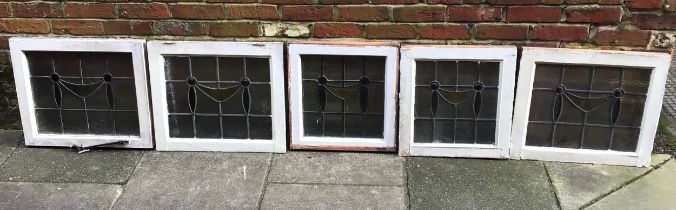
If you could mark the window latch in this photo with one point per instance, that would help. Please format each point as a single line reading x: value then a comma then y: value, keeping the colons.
x: 83, y: 149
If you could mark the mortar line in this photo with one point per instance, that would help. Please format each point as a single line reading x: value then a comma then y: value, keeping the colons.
x: 124, y: 185
x: 551, y: 184
x: 601, y: 197
x: 266, y: 183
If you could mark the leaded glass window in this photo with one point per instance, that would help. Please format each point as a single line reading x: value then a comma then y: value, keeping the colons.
x: 587, y: 106
x: 456, y: 101
x: 84, y: 92
x: 343, y: 96
x: 218, y: 97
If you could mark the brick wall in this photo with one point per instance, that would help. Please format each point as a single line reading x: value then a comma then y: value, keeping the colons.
x: 616, y: 24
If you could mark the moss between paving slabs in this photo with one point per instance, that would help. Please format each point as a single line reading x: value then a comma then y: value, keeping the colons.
x: 665, y: 139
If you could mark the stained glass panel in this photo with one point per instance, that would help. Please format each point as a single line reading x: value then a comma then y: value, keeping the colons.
x: 218, y: 97
x: 343, y: 96
x: 456, y: 101
x: 84, y: 92
x: 587, y: 107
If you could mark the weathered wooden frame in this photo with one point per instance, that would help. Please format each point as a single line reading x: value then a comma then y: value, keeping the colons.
x: 25, y: 93
x: 298, y: 140
x: 658, y: 62
x: 272, y: 50
x: 506, y: 55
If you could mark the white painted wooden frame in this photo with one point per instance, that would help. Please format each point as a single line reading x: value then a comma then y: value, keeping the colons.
x: 25, y: 93
x: 506, y: 55
x: 658, y: 62
x: 272, y: 50
x: 298, y: 140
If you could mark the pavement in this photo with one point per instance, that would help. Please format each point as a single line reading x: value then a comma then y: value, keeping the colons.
x: 58, y: 178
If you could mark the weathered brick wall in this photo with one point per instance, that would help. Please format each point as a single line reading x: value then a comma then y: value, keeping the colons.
x: 622, y: 24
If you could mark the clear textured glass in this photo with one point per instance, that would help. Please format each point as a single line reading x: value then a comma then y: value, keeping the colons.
x: 84, y: 92
x: 343, y: 96
x: 219, y: 97
x: 576, y: 106
x: 457, y: 100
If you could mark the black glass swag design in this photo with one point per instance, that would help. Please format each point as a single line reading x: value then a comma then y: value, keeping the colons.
x: 218, y: 97
x: 587, y: 107
x: 76, y: 92
x: 456, y: 101
x: 343, y: 95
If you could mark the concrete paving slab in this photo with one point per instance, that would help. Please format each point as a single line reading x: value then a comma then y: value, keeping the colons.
x: 63, y: 165
x: 9, y: 139
x: 657, y: 159
x: 188, y: 180
x: 323, y: 196
x: 337, y: 168
x: 578, y: 184
x: 653, y: 191
x: 443, y: 183
x: 25, y: 195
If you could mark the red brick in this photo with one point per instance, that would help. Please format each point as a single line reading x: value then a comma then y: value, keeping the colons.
x: 391, y: 31
x: 395, y: 1
x: 636, y: 38
x: 232, y: 1
x: 4, y: 10
x: 538, y: 14
x: 439, y: 31
x: 645, y: 4
x: 258, y: 12
x: 198, y: 11
x: 512, y: 2
x: 234, y: 29
x: 4, y: 42
x: 144, y: 11
x: 127, y: 27
x: 338, y: 30
x: 363, y: 13
x: 40, y: 9
x: 89, y: 10
x: 77, y: 27
x: 474, y: 13
x: 444, y: 1
x: 179, y: 28
x: 286, y: 1
x: 607, y: 15
x: 560, y: 33
x: 654, y: 22
x: 419, y: 13
x: 28, y: 26
x: 307, y: 13
x: 343, y: 1
x: 501, y: 32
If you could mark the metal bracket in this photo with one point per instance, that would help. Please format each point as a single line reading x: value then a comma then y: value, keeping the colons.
x: 82, y: 149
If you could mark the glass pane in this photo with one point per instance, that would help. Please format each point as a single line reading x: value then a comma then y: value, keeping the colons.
x: 422, y: 131
x: 452, y: 95
x: 181, y: 126
x: 228, y: 97
x: 84, y: 92
x: 342, y: 93
x: 596, y: 107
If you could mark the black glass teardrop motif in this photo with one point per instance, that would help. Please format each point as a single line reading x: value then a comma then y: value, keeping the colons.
x: 615, y: 113
x: 246, y: 101
x: 364, y: 98
x: 321, y: 96
x: 57, y: 94
x: 556, y: 112
x: 192, y: 100
x: 477, y: 104
x: 109, y: 95
x: 435, y: 102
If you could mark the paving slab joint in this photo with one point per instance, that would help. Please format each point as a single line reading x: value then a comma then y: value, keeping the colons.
x: 405, y: 174
x: 597, y: 199
x: 551, y: 184
x: 265, y: 182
